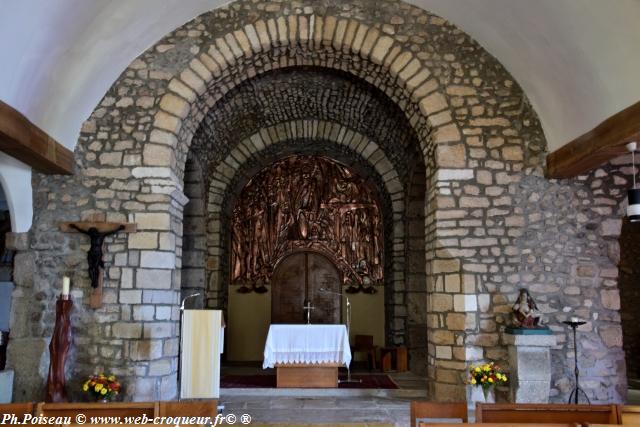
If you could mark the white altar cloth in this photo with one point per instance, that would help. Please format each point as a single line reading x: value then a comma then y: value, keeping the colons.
x: 309, y: 344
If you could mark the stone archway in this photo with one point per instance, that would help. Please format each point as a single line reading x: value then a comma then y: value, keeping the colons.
x: 398, y: 72
x: 476, y: 131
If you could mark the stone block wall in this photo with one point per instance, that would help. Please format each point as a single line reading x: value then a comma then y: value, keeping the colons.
x: 492, y: 223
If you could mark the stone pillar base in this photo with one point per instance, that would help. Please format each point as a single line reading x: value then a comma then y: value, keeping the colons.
x: 530, y: 365
x: 6, y: 386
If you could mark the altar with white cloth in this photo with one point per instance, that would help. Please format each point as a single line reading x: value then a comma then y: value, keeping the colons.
x: 307, y: 356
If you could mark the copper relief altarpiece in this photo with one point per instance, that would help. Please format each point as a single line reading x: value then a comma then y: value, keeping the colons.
x: 307, y: 203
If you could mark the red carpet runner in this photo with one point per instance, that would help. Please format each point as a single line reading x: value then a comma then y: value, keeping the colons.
x: 269, y: 381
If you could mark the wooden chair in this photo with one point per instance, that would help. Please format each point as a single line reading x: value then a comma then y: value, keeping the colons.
x: 546, y: 413
x: 111, y: 409
x: 422, y: 409
x: 630, y: 415
x: 17, y: 409
x: 364, y: 343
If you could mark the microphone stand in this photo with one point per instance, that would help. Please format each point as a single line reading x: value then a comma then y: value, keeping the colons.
x: 180, y: 343
x: 349, y: 379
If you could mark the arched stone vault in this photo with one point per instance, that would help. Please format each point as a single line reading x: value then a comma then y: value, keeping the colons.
x: 346, y: 111
x: 413, y: 79
x: 481, y: 143
x: 311, y: 137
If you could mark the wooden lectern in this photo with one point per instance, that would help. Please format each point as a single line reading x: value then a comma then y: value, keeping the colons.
x: 202, y: 343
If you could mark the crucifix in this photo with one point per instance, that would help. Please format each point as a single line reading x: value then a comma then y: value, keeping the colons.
x: 308, y: 307
x: 97, y: 232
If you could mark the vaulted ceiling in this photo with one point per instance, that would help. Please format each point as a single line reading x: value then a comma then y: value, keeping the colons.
x: 577, y: 60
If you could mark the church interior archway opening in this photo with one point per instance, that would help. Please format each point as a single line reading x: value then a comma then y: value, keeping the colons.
x: 314, y: 111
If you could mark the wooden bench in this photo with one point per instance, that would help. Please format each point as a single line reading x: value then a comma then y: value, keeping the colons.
x: 546, y: 413
x: 192, y: 408
x: 17, y: 409
x: 630, y: 415
x: 504, y: 425
x: 421, y: 409
x: 110, y: 409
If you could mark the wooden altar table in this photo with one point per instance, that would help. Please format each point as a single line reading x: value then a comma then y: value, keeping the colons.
x: 307, y: 356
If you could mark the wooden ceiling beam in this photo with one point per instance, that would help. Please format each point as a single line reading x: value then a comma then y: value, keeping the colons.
x: 595, y: 148
x: 26, y: 142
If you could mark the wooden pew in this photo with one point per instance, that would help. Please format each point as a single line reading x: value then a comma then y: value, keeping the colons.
x: 630, y: 415
x: 188, y: 409
x: 546, y: 413
x: 421, y: 409
x: 504, y: 425
x: 17, y: 409
x: 111, y: 409
x: 192, y: 408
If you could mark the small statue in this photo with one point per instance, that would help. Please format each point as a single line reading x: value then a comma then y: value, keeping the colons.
x: 94, y: 256
x: 525, y: 312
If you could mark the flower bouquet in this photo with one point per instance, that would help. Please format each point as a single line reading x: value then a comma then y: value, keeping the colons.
x: 102, y: 387
x: 486, y: 376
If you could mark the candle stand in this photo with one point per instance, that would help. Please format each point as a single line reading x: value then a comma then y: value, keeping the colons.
x: 58, y: 349
x: 573, y: 324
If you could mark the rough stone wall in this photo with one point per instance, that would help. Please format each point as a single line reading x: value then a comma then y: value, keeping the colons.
x: 569, y: 256
x: 194, y: 241
x: 488, y: 211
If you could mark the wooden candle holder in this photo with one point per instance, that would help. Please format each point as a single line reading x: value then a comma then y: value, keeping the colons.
x: 58, y: 349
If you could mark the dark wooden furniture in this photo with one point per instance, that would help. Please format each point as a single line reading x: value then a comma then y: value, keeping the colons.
x: 393, y: 359
x: 17, y: 409
x: 422, y: 409
x: 364, y: 344
x: 546, y: 413
x: 58, y: 348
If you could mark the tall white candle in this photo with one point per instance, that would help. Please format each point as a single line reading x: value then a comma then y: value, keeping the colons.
x: 65, y: 286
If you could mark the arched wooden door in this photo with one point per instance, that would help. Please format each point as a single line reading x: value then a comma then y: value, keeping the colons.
x: 299, y: 278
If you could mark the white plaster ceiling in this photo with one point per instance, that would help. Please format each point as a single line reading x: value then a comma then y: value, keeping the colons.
x: 577, y: 60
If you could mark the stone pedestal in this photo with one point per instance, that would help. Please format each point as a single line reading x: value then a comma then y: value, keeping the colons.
x: 6, y: 386
x: 530, y: 365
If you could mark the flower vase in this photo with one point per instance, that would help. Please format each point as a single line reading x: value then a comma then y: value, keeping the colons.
x: 478, y: 394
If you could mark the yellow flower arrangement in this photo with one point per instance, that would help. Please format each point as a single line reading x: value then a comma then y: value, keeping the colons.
x: 102, y: 386
x: 486, y: 376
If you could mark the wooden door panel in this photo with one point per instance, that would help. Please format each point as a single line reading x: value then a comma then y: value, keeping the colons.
x: 288, y: 290
x: 323, y: 274
x: 297, y: 279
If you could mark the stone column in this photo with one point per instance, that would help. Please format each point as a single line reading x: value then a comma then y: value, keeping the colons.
x: 530, y: 365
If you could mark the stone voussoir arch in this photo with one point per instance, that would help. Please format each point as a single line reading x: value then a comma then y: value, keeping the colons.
x: 180, y: 106
x: 222, y: 179
x: 360, y: 144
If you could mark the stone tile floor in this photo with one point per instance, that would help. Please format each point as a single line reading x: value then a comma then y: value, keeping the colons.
x: 324, y: 405
x: 319, y: 409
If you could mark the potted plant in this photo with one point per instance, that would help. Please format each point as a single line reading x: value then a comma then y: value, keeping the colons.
x: 485, y: 377
x: 102, y: 387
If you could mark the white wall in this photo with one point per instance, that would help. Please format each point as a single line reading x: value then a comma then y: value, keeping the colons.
x: 577, y: 60
x: 15, y: 178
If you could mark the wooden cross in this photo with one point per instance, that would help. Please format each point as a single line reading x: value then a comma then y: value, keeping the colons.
x: 97, y: 230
